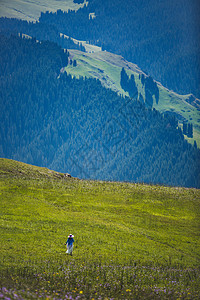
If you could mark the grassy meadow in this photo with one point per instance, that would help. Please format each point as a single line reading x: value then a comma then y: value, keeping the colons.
x: 132, y: 241
x: 31, y: 10
x: 107, y: 68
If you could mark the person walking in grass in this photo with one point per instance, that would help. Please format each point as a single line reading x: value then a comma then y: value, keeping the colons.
x: 69, y: 244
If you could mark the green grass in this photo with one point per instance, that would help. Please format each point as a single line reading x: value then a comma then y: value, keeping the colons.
x: 131, y: 240
x: 90, y: 66
x: 31, y: 10
x: 107, y: 68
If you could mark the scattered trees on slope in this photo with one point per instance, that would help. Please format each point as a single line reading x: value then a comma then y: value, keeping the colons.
x: 162, y: 37
x: 51, y: 119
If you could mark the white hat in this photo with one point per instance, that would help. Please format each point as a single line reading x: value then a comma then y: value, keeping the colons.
x: 70, y: 235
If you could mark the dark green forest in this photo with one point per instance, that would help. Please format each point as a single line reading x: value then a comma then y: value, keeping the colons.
x: 51, y: 119
x: 160, y: 36
x: 42, y: 32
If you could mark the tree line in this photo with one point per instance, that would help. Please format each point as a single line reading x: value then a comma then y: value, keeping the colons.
x: 42, y: 32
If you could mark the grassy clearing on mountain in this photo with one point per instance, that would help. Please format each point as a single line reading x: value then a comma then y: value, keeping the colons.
x: 107, y: 73
x: 30, y: 10
x: 107, y: 68
x: 131, y: 240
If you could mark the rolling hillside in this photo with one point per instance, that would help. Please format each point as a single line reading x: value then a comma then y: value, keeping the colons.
x: 31, y: 10
x: 131, y: 240
x: 162, y: 37
x: 107, y: 66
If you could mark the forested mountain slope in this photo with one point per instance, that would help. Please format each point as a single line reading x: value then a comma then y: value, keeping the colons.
x: 162, y: 37
x: 42, y: 32
x: 107, y: 67
x: 50, y: 119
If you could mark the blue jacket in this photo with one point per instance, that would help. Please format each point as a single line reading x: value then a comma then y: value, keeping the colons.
x: 70, y: 241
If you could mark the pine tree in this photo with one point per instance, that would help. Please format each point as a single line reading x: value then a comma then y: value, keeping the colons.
x: 124, y: 81
x: 141, y: 98
x: 156, y: 93
x: 74, y: 63
x: 185, y: 129
x: 190, y: 131
x: 133, y: 91
x: 143, y: 79
x: 148, y: 98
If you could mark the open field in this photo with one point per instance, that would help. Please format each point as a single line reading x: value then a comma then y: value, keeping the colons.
x: 132, y: 241
x: 31, y: 10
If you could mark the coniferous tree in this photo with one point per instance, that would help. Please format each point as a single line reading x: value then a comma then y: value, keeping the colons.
x: 148, y: 97
x: 156, y: 93
x: 133, y: 91
x: 190, y: 130
x: 142, y: 79
x: 185, y: 126
x: 124, y: 81
x: 141, y: 98
x: 74, y: 63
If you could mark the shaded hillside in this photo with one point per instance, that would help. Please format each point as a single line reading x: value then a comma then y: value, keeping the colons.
x: 42, y: 32
x: 162, y: 37
x: 50, y: 119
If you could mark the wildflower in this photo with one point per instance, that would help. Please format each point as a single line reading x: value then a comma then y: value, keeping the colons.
x: 81, y: 292
x: 128, y: 290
